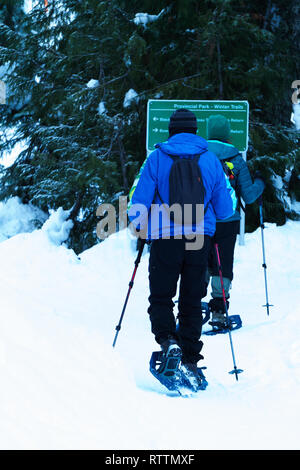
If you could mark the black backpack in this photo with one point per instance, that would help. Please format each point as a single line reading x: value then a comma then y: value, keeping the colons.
x: 186, y: 187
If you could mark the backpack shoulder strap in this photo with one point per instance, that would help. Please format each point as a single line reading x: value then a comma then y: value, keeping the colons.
x: 174, y: 157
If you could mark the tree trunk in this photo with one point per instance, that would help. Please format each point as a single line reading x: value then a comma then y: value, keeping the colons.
x: 296, y: 32
x: 220, y: 69
x: 123, y: 163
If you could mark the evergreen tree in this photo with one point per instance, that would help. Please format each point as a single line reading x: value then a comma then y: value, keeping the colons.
x: 72, y: 64
x: 11, y: 13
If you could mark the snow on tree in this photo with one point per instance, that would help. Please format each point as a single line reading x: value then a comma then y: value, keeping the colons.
x: 80, y: 75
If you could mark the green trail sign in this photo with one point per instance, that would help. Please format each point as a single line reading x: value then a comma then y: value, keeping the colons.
x: 159, y: 112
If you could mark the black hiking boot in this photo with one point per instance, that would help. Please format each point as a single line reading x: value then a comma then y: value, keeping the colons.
x: 218, y: 319
x: 170, y: 347
x: 193, y: 376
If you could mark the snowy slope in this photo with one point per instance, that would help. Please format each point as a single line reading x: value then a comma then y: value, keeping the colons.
x: 64, y: 387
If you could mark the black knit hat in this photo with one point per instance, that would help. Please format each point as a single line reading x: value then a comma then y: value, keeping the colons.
x: 182, y: 120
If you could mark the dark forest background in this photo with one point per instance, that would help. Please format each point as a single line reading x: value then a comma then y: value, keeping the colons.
x: 83, y: 147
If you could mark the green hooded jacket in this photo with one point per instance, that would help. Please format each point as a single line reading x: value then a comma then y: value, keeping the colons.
x: 242, y: 182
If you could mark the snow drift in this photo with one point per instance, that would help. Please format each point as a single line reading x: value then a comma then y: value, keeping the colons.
x: 65, y: 387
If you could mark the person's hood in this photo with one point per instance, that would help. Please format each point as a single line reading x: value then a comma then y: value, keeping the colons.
x: 183, y: 145
x: 222, y: 150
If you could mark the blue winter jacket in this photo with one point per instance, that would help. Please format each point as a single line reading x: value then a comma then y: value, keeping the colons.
x: 242, y: 182
x: 154, y: 177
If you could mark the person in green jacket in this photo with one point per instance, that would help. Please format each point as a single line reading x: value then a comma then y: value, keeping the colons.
x: 236, y: 169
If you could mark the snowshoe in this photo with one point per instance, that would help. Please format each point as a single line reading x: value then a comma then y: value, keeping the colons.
x: 234, y: 322
x: 165, y: 368
x: 204, y: 382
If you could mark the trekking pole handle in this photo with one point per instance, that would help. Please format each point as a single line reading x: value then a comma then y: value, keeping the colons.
x: 138, y: 258
x: 261, y: 219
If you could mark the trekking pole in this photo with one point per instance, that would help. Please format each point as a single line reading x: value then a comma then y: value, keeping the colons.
x: 137, y: 261
x: 235, y: 371
x: 262, y: 226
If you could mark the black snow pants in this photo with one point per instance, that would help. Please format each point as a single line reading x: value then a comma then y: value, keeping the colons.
x: 169, y: 261
x: 225, y: 237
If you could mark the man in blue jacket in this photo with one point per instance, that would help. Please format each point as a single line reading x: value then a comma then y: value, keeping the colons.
x: 218, y: 132
x: 171, y: 257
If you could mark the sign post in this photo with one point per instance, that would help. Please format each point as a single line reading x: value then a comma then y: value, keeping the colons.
x: 237, y: 112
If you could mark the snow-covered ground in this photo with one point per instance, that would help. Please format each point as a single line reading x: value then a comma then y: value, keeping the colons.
x: 63, y: 386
